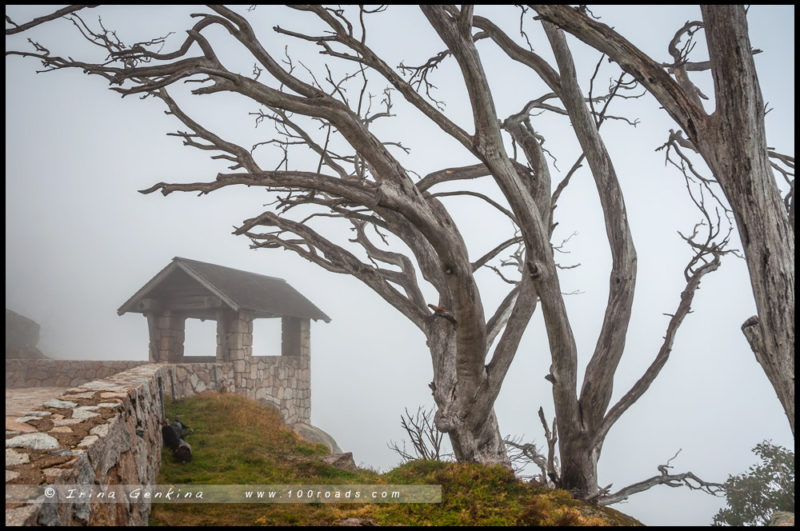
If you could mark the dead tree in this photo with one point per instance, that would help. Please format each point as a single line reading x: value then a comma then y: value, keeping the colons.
x: 584, y: 419
x: 357, y: 180
x: 525, y: 453
x: 732, y: 142
x: 426, y: 439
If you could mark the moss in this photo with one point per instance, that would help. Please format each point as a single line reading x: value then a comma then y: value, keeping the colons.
x: 237, y: 441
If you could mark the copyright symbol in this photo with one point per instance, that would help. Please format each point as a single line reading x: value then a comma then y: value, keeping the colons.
x: 49, y: 492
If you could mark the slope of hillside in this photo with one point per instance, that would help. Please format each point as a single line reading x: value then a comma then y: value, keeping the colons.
x: 238, y: 442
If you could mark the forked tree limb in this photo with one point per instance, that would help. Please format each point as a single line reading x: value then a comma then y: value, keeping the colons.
x: 685, y: 479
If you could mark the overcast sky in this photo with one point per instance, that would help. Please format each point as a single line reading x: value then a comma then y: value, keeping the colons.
x: 80, y: 241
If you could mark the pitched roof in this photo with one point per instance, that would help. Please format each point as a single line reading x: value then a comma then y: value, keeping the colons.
x: 238, y: 290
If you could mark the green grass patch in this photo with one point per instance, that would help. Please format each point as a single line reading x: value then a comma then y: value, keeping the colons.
x: 237, y: 441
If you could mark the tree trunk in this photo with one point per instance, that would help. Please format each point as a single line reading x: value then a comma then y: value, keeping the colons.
x: 483, y: 444
x: 735, y: 148
x: 472, y: 443
x: 579, y: 466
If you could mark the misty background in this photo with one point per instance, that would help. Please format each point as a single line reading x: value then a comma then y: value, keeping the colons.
x: 80, y: 239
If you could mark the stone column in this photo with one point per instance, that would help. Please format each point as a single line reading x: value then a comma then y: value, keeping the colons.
x: 155, y: 339
x: 295, y: 337
x: 222, y: 336
x: 239, y: 347
x: 167, y: 333
x: 296, y: 350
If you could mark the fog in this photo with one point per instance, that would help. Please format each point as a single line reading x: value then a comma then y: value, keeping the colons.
x: 80, y: 240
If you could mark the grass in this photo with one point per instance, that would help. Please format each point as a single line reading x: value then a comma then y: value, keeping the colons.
x: 237, y: 441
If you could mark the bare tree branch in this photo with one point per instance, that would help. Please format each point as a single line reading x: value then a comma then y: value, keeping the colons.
x: 527, y: 453
x: 489, y: 200
x: 40, y: 20
x: 685, y: 479
x: 426, y: 439
x: 551, y: 436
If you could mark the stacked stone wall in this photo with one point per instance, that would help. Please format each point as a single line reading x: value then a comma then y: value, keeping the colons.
x: 282, y: 381
x: 188, y: 379
x: 107, y: 431
x: 100, y: 433
x: 61, y: 373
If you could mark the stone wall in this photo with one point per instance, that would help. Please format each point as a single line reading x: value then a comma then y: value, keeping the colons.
x: 188, y: 379
x: 104, y: 432
x: 107, y: 431
x: 61, y: 373
x: 282, y: 381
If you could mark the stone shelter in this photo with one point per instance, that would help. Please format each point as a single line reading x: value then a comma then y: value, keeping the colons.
x: 187, y: 289
x: 105, y: 428
x: 191, y: 289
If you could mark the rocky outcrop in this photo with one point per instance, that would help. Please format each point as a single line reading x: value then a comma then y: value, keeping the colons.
x: 343, y: 461
x: 316, y: 435
x: 338, y: 459
x: 22, y: 336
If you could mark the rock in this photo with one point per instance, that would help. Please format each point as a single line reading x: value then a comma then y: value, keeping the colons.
x: 21, y: 516
x: 343, y: 461
x: 782, y: 518
x: 316, y: 435
x: 88, y: 394
x: 53, y: 473
x: 357, y: 522
x: 101, y: 430
x: 66, y: 422
x: 84, y: 412
x: 16, y: 458
x: 59, y: 404
x: 22, y: 335
x: 89, y: 440
x: 34, y: 441
x: 15, y: 425
x: 26, y: 419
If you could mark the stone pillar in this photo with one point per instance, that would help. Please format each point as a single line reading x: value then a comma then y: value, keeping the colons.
x: 238, y: 346
x: 222, y: 335
x: 295, y: 337
x: 296, y: 350
x: 167, y: 333
x: 152, y: 330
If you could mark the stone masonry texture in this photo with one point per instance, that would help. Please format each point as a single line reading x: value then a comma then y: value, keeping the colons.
x: 106, y: 428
